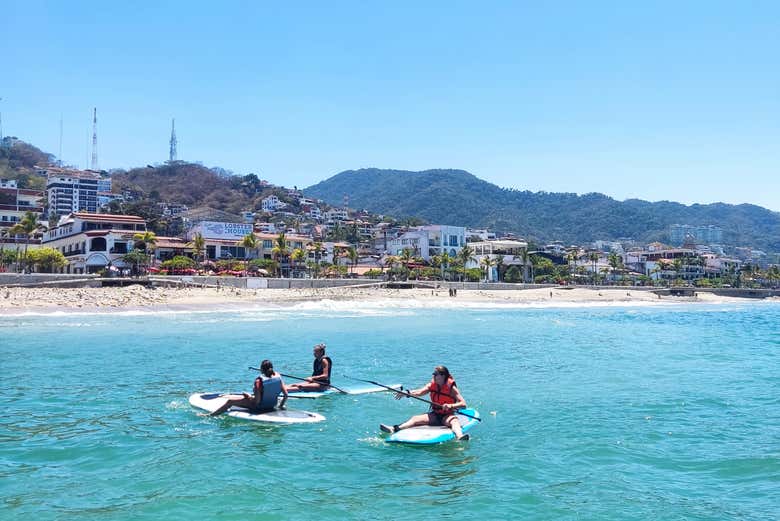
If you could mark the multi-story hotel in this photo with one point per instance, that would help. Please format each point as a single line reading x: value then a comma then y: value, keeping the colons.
x: 72, y: 191
x: 91, y: 242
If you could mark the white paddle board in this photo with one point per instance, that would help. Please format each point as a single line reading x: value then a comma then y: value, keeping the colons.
x: 354, y: 390
x: 429, y: 434
x: 210, y: 402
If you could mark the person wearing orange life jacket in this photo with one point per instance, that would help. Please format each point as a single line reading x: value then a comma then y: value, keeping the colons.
x: 446, y: 399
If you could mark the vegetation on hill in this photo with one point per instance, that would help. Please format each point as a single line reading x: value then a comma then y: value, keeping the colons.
x: 459, y: 198
x: 17, y: 161
x: 439, y: 196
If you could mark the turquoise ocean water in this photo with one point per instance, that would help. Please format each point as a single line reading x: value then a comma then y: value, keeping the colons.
x: 667, y: 412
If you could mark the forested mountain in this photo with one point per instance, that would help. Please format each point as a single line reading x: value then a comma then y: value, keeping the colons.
x: 459, y: 198
x: 438, y: 196
x: 17, y: 161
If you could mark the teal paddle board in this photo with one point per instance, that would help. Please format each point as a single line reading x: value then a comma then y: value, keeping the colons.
x: 430, y: 435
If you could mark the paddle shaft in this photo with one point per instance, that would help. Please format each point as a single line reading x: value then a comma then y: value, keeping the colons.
x: 305, y: 380
x: 407, y: 393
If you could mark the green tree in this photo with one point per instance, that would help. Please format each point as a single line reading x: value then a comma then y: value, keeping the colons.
x: 198, y: 245
x: 178, y: 263
x: 466, y: 255
x: 594, y: 258
x: 136, y: 258
x: 147, y: 240
x: 353, y: 257
x: 298, y: 256
x: 27, y: 226
x: 250, y: 242
x: 280, y: 251
x: 47, y: 260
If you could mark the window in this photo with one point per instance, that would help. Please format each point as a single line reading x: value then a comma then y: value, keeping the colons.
x: 268, y: 243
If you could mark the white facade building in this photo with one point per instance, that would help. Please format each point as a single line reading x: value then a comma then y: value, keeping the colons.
x: 336, y: 215
x: 71, y: 191
x: 427, y: 241
x: 90, y: 242
x: 272, y: 203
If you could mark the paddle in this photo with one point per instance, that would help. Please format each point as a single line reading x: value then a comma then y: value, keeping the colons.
x: 304, y: 380
x: 410, y: 396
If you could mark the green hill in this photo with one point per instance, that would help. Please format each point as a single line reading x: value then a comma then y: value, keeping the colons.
x: 459, y: 198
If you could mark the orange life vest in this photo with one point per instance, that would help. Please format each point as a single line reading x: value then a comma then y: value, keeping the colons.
x: 441, y: 394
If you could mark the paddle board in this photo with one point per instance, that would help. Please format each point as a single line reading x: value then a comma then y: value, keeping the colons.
x: 429, y: 435
x: 210, y: 402
x: 349, y: 390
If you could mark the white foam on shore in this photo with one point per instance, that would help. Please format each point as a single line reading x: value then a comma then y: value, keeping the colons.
x: 368, y: 307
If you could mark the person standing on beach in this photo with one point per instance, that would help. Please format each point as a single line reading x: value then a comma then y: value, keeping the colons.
x: 446, y: 400
x: 267, y: 388
x: 320, y: 374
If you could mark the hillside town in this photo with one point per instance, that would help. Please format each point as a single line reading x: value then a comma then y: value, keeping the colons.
x: 74, y: 227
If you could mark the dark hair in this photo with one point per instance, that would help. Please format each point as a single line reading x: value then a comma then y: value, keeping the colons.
x: 267, y: 368
x: 443, y: 370
x: 320, y: 347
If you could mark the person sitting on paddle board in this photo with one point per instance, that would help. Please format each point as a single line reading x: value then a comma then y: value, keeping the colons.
x: 320, y: 374
x: 446, y: 400
x: 267, y: 388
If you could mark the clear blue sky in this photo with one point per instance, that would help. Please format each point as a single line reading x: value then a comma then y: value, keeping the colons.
x: 668, y: 100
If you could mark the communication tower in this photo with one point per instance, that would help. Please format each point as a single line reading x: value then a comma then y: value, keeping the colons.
x: 94, y: 139
x: 173, y: 153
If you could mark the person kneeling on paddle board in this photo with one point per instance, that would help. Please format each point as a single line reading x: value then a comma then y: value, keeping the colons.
x: 445, y: 398
x: 320, y: 374
x: 267, y: 388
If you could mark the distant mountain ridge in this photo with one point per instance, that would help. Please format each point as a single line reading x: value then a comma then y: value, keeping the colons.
x: 459, y: 198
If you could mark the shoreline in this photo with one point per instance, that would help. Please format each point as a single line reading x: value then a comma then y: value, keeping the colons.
x: 17, y: 301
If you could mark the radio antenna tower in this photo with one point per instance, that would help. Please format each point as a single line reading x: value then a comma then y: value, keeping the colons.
x: 94, y: 139
x: 173, y: 141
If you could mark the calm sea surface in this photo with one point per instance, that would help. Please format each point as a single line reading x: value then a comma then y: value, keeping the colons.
x: 666, y: 412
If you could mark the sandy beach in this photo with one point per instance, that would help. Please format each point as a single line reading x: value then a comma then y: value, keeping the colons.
x: 19, y: 300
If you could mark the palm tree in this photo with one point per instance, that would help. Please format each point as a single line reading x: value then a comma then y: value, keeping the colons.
x: 486, y: 263
x: 353, y: 257
x: 280, y: 250
x: 406, y: 257
x: 27, y: 226
x: 198, y: 245
x: 250, y: 242
x: 445, y: 263
x: 523, y: 256
x: 148, y: 240
x: 297, y: 256
x: 318, y: 249
x: 466, y: 255
x: 498, y: 261
x: 594, y: 258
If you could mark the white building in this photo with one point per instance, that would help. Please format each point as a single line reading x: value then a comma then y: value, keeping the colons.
x: 336, y: 215
x: 427, y: 241
x: 482, y: 234
x: 272, y: 203
x: 90, y: 241
x: 71, y: 191
x: 509, y: 252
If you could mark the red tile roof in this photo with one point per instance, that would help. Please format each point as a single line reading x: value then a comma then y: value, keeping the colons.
x: 109, y: 217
